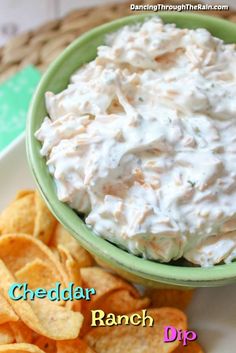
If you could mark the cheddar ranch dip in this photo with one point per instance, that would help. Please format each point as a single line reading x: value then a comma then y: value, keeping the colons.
x: 143, y: 142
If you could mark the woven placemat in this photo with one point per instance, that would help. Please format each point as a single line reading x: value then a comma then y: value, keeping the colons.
x: 40, y: 46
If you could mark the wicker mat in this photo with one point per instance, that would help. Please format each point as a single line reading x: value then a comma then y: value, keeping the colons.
x: 40, y: 46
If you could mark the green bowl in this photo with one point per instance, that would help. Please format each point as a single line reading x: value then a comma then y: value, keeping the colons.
x: 56, y: 78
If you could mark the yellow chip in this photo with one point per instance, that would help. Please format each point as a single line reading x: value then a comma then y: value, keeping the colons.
x: 62, y: 237
x: 122, y: 302
x: 104, y: 283
x: 73, y: 272
x: 71, y: 266
x: 192, y: 347
x: 118, y: 302
x: 46, y: 344
x: 73, y: 346
x: 175, y: 298
x: 130, y: 338
x: 22, y: 193
x: 21, y: 332
x: 19, y: 216
x: 17, y: 250
x: 6, y: 311
x: 38, y: 274
x: 6, y: 334
x: 55, y: 253
x: 20, y: 348
x: 42, y: 316
x: 45, y: 222
x: 59, y: 322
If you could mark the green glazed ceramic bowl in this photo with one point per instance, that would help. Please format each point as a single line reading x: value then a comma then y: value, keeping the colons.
x: 146, y: 272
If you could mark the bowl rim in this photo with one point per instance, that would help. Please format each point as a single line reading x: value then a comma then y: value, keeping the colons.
x: 146, y: 269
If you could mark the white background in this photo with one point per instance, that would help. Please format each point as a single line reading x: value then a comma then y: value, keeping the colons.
x: 20, y: 15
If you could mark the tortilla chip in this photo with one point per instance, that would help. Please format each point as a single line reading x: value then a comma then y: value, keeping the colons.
x: 129, y: 338
x: 38, y: 274
x: 20, y: 348
x: 21, y: 332
x: 45, y: 222
x: 104, y: 282
x: 71, y: 266
x: 41, y: 316
x: 64, y: 238
x: 17, y: 250
x: 6, y: 334
x: 19, y: 216
x: 118, y: 302
x: 23, y: 193
x: 60, y: 323
x: 6, y: 312
x: 122, y: 302
x: 175, y: 298
x: 73, y: 272
x: 46, y: 344
x: 192, y: 347
x: 55, y: 253
x: 73, y: 346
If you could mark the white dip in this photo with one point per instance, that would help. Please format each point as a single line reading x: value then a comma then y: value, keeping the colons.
x: 143, y: 141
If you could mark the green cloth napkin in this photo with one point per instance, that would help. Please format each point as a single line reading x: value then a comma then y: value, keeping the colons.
x: 15, y: 96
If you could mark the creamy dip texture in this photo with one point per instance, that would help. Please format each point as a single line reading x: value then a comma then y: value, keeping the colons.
x: 143, y: 142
